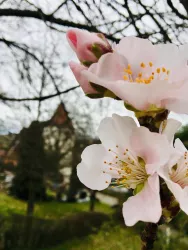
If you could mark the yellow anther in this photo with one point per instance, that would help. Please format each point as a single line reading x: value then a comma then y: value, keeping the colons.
x: 140, y: 74
x: 146, y: 81
x: 142, y: 65
x: 125, y: 77
x: 128, y: 171
x: 128, y: 66
x: 150, y: 64
x: 163, y: 69
x: 128, y: 71
x: 186, y: 173
x: 138, y: 80
x: 153, y: 73
x: 168, y: 72
x: 158, y: 70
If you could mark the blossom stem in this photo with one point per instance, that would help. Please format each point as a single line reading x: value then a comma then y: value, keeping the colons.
x: 153, y: 123
x: 149, y: 235
x: 169, y: 204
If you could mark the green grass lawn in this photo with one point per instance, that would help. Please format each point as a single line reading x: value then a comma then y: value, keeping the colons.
x: 122, y: 238
x: 47, y: 210
x: 117, y: 237
x: 111, y: 236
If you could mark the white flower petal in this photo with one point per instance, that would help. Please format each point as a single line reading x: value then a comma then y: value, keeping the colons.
x: 171, y: 128
x: 145, y: 206
x: 175, y: 99
x: 184, y: 53
x: 184, y: 200
x: 168, y: 54
x: 90, y: 170
x: 110, y: 67
x: 180, y: 146
x: 177, y: 105
x: 117, y: 130
x: 136, y: 50
x: 181, y: 194
x: 152, y: 147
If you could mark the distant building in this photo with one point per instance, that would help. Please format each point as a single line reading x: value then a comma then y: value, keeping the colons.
x: 8, y: 151
x: 58, y: 135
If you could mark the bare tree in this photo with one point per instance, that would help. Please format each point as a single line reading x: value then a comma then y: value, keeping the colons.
x: 33, y: 49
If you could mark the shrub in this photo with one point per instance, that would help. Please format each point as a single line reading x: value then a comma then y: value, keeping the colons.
x: 29, y: 232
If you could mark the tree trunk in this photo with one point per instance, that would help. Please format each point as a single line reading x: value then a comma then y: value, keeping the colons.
x: 31, y: 201
x: 92, y: 201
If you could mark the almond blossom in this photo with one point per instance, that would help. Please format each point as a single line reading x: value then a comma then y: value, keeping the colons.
x: 77, y: 70
x: 175, y: 174
x: 147, y: 77
x: 88, y: 46
x: 129, y: 156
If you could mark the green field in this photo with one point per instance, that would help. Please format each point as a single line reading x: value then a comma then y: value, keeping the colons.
x: 111, y: 236
x: 117, y: 238
x: 47, y: 210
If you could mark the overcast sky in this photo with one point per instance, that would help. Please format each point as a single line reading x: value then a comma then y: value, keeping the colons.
x: 37, y: 35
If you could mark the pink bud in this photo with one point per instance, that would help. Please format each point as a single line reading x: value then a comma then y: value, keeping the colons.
x: 77, y: 71
x: 89, y: 47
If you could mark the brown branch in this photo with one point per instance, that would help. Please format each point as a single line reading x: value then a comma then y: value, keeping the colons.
x: 126, y: 6
x: 176, y: 11
x: 59, y: 7
x: 24, y: 48
x: 40, y: 98
x: 185, y: 4
x: 149, y: 236
x: 50, y: 18
x: 162, y: 30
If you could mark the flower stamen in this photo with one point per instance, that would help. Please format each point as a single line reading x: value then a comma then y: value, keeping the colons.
x: 140, y: 78
x: 130, y: 169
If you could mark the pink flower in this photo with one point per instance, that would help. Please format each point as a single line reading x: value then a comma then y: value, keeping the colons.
x: 89, y: 47
x: 175, y: 174
x: 129, y: 156
x: 147, y: 77
x: 77, y: 70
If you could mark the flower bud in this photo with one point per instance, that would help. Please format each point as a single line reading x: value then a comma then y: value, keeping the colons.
x: 77, y: 70
x: 90, y: 89
x: 89, y: 47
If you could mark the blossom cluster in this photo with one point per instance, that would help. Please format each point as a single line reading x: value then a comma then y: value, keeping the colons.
x: 150, y: 79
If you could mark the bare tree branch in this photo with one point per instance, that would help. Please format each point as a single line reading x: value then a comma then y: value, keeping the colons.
x: 185, y: 4
x: 25, y: 49
x: 176, y: 11
x: 40, y: 98
x: 50, y: 18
